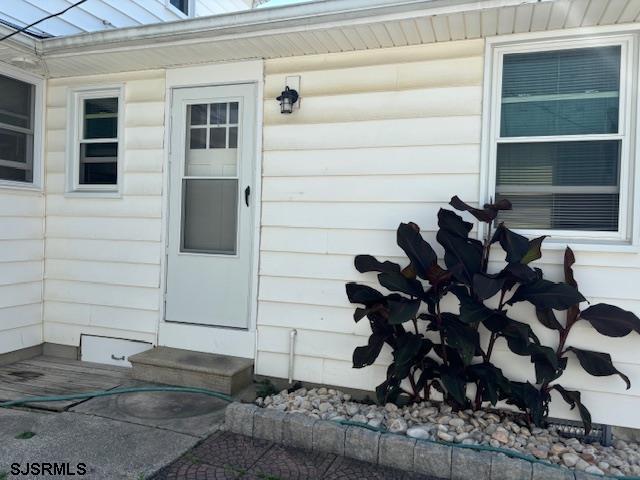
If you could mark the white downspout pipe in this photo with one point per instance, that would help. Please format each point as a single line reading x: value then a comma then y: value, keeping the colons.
x: 292, y: 345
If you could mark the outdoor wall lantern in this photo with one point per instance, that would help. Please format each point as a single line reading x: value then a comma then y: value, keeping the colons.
x: 287, y: 99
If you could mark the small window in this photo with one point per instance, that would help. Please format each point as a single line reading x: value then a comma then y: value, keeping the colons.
x: 182, y: 5
x: 560, y: 144
x: 17, y: 112
x: 95, y: 165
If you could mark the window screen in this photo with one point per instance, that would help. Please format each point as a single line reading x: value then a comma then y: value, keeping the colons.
x: 16, y: 130
x: 548, y: 164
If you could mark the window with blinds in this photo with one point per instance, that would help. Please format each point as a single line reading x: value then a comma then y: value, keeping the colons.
x: 558, y: 153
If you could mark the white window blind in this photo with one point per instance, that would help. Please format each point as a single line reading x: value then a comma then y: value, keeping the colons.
x: 558, y: 152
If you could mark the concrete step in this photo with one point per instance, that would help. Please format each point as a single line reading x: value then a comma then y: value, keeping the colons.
x: 186, y: 368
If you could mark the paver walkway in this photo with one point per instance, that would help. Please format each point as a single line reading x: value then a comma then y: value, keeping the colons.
x: 225, y: 456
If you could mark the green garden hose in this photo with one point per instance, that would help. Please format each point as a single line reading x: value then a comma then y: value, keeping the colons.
x: 227, y: 398
x: 115, y: 391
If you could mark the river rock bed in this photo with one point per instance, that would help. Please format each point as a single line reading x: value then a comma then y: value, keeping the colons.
x: 437, y: 421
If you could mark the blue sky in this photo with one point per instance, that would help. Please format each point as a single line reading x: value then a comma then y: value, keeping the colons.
x: 274, y: 3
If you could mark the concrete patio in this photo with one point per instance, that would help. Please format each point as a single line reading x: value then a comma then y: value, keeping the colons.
x: 162, y: 435
x: 127, y: 436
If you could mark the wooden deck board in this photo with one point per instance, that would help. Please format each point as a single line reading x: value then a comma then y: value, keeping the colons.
x: 46, y: 376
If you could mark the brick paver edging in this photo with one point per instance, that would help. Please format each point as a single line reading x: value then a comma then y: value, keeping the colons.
x: 447, y: 462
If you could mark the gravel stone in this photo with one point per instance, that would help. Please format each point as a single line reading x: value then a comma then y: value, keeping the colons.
x: 430, y: 420
x: 423, y: 432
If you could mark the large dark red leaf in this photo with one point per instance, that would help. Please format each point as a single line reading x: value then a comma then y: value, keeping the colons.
x: 528, y: 398
x: 366, y: 355
x: 494, y: 384
x: 569, y: 260
x: 572, y: 397
x: 610, y: 320
x: 420, y: 253
x: 455, y: 384
x: 545, y: 294
x: 546, y: 364
x: 535, y: 250
x: 402, y: 310
x: 363, y: 294
x: 548, y: 319
x: 453, y: 223
x: 461, y: 255
x: 598, y: 364
x: 368, y: 263
x: 516, y: 246
x: 486, y: 286
x: 487, y: 214
x: 396, y: 282
x: 461, y: 337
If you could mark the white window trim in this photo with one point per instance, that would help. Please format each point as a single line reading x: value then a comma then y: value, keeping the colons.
x: 74, y: 121
x: 38, y: 126
x: 627, y: 236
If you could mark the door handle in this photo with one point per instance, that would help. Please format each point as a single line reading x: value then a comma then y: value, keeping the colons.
x: 247, y: 192
x: 113, y: 357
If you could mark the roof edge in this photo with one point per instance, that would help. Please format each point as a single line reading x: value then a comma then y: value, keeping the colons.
x: 264, y: 21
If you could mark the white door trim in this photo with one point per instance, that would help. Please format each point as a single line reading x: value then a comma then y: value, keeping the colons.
x: 225, y: 341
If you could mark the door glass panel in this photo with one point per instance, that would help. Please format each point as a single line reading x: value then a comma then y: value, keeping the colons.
x: 198, y: 114
x: 212, y: 140
x: 209, y: 215
x: 198, y: 138
x: 210, y: 189
x: 218, y: 138
x: 218, y: 113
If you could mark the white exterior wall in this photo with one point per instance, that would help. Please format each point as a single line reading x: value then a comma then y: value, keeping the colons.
x: 21, y: 263
x: 102, y: 270
x: 382, y: 137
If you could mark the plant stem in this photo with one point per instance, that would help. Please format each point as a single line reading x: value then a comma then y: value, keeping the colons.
x: 441, y: 332
x: 478, y: 400
x: 412, y: 381
x: 501, y: 303
x: 492, y: 342
x: 487, y: 248
x: 564, y: 334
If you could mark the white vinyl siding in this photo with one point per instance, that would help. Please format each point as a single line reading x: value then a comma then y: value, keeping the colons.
x: 381, y: 136
x: 103, y: 254
x: 21, y: 264
x: 560, y: 137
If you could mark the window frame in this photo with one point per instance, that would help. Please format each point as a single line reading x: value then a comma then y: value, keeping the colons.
x: 187, y: 14
x: 38, y: 129
x: 496, y: 50
x: 77, y: 96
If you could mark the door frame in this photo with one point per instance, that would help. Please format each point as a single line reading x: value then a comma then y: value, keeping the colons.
x: 220, y: 340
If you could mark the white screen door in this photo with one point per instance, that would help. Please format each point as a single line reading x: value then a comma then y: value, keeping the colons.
x: 211, y: 205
